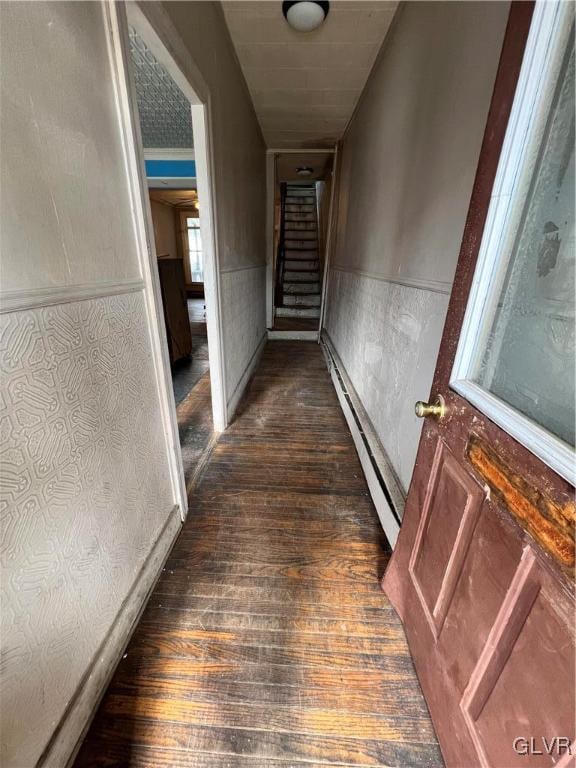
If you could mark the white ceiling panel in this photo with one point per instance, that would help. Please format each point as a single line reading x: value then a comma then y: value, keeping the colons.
x: 287, y: 166
x: 305, y: 85
x: 164, y: 111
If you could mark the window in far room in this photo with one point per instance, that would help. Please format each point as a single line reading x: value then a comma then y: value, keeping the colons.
x: 190, y: 226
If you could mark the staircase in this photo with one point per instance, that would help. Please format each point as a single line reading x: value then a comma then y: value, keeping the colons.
x: 299, y: 280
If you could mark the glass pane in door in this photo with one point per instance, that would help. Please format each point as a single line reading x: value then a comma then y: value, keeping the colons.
x: 195, y: 249
x: 528, y: 360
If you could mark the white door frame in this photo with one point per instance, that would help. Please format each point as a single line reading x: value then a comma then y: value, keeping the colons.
x: 155, y: 27
x: 330, y: 238
x: 271, y: 180
x: 118, y: 46
x: 270, y: 252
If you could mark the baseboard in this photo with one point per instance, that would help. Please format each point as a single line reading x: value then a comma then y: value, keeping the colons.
x: 383, y: 485
x: 70, y: 731
x: 292, y: 335
x: 244, y: 379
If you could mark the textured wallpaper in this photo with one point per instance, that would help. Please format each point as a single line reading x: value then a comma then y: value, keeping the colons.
x: 84, y: 492
x: 387, y: 337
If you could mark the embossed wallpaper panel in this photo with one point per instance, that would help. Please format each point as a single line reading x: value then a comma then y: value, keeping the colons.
x: 85, y: 492
x: 65, y: 209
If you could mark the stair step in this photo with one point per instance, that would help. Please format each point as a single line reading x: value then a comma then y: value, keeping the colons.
x: 300, y: 192
x: 300, y: 201
x: 310, y: 276
x: 301, y: 265
x: 301, y: 288
x: 300, y: 234
x: 310, y: 300
x: 300, y: 217
x: 300, y: 226
x: 301, y: 255
x: 298, y: 311
x: 300, y: 245
x: 293, y: 208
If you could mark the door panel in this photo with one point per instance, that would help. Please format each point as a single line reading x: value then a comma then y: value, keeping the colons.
x: 482, y: 574
x: 447, y: 523
x: 521, y: 656
x: 488, y: 569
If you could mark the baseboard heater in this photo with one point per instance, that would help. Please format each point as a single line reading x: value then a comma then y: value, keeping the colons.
x: 383, y: 485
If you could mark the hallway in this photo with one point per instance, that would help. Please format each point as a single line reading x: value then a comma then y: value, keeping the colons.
x: 267, y: 640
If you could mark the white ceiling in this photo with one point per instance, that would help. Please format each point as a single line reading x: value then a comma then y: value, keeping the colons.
x: 164, y: 111
x: 305, y: 85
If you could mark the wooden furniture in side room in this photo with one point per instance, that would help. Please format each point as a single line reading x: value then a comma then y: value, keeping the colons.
x: 172, y: 283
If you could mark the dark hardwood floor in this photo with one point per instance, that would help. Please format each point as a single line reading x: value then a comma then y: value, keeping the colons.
x: 186, y: 373
x: 195, y: 425
x: 267, y: 641
x: 295, y: 324
x: 191, y: 382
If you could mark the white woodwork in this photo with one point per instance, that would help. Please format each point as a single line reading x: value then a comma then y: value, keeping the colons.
x: 204, y: 179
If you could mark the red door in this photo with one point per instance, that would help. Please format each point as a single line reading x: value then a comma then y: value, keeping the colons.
x: 482, y: 574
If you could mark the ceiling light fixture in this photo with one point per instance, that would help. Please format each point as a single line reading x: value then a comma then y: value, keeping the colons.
x: 305, y: 15
x: 305, y: 170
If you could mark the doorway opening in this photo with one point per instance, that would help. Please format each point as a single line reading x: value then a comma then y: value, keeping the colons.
x: 175, y: 216
x: 300, y: 193
x: 172, y: 135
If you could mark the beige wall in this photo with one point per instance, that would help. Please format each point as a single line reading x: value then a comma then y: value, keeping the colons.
x: 239, y: 150
x: 164, y: 220
x: 86, y: 490
x: 408, y: 165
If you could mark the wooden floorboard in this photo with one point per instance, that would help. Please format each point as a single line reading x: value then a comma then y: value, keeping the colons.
x: 267, y: 641
x: 186, y: 372
x: 195, y: 425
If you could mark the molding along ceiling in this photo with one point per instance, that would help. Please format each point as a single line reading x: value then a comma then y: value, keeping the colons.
x: 305, y: 85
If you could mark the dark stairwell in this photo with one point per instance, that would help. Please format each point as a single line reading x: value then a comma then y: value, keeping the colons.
x: 298, y: 270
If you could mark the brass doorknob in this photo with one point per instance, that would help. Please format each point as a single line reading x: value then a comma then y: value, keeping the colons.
x: 437, y: 409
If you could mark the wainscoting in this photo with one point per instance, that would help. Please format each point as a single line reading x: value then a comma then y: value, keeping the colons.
x: 387, y: 334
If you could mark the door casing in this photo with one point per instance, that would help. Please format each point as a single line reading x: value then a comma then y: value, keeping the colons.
x: 158, y: 32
